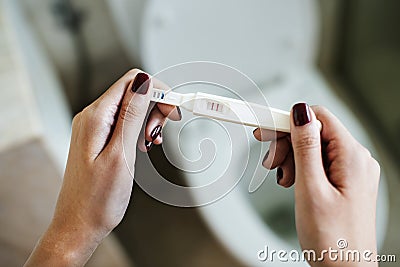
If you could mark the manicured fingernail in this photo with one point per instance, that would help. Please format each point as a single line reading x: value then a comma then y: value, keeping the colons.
x: 140, y: 84
x: 156, y: 132
x: 148, y: 145
x: 301, y: 114
x: 179, y: 112
x: 266, y: 156
x: 279, y: 174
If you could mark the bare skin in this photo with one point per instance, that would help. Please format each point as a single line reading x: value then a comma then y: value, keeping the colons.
x: 336, y: 185
x: 338, y: 201
x: 97, y: 184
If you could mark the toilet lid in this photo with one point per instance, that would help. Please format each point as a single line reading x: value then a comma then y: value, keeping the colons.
x: 261, y: 38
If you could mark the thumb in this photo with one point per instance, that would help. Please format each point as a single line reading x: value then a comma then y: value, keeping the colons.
x: 306, y: 143
x: 132, y: 112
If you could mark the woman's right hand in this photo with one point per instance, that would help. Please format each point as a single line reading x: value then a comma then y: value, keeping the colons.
x: 336, y: 183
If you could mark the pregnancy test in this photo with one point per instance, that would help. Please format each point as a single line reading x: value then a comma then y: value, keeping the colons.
x: 227, y: 109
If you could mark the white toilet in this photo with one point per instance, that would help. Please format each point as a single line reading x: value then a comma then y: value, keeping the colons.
x: 275, y: 44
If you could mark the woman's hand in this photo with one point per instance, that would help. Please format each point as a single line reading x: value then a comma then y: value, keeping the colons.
x: 336, y: 183
x: 97, y: 183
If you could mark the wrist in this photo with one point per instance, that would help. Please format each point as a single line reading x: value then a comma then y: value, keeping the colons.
x: 75, y: 243
x: 63, y: 245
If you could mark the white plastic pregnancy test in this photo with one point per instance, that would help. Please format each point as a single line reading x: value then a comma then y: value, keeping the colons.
x: 227, y: 109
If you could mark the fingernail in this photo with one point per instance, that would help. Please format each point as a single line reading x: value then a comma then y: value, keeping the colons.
x: 279, y: 174
x: 266, y: 156
x: 139, y: 84
x: 179, y: 112
x: 156, y: 132
x: 301, y: 114
x: 148, y: 145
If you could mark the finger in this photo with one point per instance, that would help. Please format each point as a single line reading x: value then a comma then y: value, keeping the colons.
x: 276, y: 154
x: 99, y: 117
x: 267, y: 135
x: 287, y: 172
x: 157, y: 117
x: 333, y: 129
x: 169, y: 111
x: 132, y: 112
x: 142, y: 143
x: 155, y: 123
x: 306, y: 143
x: 113, y: 96
x: 172, y: 112
x: 339, y: 146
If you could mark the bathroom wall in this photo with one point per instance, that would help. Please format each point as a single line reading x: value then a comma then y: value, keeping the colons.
x: 371, y: 63
x: 360, y: 52
x: 87, y: 55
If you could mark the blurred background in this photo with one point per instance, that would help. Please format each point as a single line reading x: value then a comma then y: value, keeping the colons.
x: 57, y: 56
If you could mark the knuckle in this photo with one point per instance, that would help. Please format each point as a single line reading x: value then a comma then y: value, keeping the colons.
x: 76, y: 119
x: 364, y: 150
x: 306, y: 143
x: 130, y: 112
x: 367, y: 157
x: 368, y: 163
x: 87, y: 111
x: 375, y: 166
x: 319, y: 109
x: 91, y: 115
x: 372, y: 175
x: 289, y: 183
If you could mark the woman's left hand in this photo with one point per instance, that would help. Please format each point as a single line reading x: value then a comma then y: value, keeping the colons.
x: 98, y: 183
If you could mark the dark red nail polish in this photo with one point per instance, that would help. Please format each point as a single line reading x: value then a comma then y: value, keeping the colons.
x: 156, y: 132
x: 179, y: 112
x: 140, y: 84
x: 301, y: 114
x: 279, y: 174
x: 266, y: 156
x: 148, y: 145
